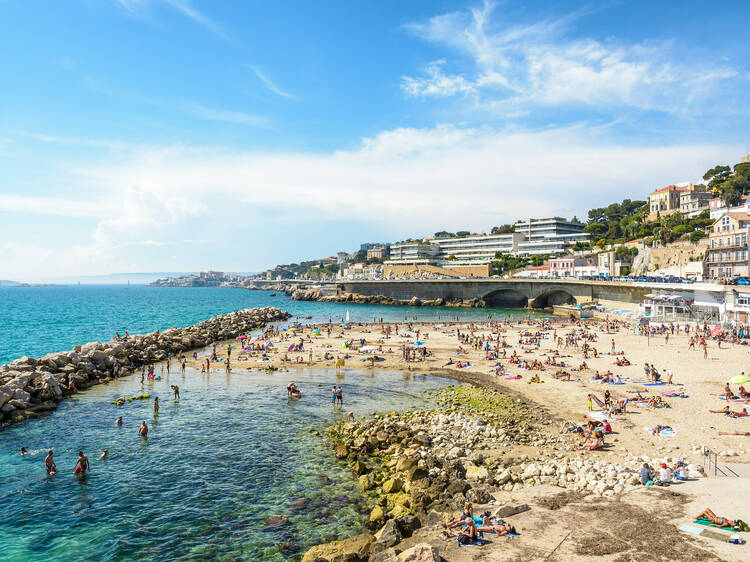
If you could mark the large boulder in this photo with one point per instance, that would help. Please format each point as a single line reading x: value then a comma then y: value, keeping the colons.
x: 354, y: 549
x: 420, y: 553
x: 407, y: 525
x: 392, y: 485
x: 389, y: 535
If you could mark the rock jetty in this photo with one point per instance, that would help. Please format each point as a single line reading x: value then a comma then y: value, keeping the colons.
x: 419, y: 468
x: 30, y: 387
x: 320, y: 295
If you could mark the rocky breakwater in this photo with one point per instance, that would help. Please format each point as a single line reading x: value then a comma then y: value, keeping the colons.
x: 419, y: 468
x: 315, y: 294
x: 30, y: 387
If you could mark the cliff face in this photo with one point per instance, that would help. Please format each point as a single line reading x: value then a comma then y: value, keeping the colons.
x: 671, y: 257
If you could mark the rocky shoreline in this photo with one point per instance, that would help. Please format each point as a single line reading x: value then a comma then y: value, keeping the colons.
x: 419, y: 468
x: 30, y: 387
x: 315, y: 294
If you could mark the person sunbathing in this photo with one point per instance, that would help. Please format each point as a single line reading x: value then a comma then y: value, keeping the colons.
x: 741, y: 433
x: 741, y: 414
x: 500, y: 529
x: 715, y: 520
x: 467, y: 514
x: 724, y: 410
x: 469, y: 534
x: 535, y: 379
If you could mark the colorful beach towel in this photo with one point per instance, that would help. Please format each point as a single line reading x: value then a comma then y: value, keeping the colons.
x: 666, y: 431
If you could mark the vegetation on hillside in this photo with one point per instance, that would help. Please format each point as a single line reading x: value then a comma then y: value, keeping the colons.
x: 729, y: 183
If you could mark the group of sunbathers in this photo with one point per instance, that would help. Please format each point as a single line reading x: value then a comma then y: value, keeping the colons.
x: 468, y: 526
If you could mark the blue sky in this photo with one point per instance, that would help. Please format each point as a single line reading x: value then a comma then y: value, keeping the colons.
x: 176, y: 135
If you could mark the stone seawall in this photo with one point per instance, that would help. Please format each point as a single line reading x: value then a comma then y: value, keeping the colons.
x: 356, y: 298
x: 30, y: 387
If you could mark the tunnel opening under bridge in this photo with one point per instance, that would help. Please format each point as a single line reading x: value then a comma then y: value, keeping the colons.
x: 551, y: 298
x: 506, y: 298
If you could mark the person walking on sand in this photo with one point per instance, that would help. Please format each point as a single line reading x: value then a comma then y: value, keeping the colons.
x: 82, y: 464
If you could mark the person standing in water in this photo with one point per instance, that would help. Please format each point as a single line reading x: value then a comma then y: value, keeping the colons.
x: 176, y: 390
x: 340, y: 396
x: 82, y: 464
x: 143, y: 430
x: 333, y: 395
x: 49, y: 463
x: 156, y: 406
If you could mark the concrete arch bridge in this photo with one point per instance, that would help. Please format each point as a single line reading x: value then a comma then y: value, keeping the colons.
x: 533, y: 293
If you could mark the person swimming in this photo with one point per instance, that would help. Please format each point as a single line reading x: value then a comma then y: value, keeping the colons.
x: 104, y: 455
x: 49, y: 463
x: 24, y: 451
x: 118, y: 421
x: 82, y: 464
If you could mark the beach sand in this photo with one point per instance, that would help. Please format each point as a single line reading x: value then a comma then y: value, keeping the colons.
x: 700, y: 378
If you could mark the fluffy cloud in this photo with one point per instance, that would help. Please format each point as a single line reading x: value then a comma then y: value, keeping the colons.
x: 400, y: 182
x: 536, y: 65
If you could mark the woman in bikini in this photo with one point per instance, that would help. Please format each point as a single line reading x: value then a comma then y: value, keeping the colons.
x: 715, y: 520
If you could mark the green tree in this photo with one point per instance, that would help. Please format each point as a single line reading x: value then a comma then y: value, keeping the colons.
x: 462, y: 233
x: 503, y: 229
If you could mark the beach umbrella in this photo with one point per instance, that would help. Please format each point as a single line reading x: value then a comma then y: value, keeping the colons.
x: 418, y: 343
x: 242, y: 337
x: 739, y: 379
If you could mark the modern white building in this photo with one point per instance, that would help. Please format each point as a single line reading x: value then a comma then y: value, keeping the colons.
x: 412, y: 251
x: 554, y: 235
x: 479, y: 248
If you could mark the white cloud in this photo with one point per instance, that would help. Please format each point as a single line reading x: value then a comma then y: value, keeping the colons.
x: 224, y: 115
x: 400, y: 182
x: 185, y: 8
x: 536, y: 65
x: 436, y: 83
x: 270, y: 84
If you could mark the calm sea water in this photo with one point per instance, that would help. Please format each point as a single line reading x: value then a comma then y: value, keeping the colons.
x: 39, y: 320
x: 216, y: 465
x: 233, y: 452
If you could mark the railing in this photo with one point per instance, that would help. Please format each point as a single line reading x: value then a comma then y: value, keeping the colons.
x: 712, y: 458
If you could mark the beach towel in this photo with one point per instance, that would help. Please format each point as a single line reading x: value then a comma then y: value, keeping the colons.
x: 478, y: 542
x: 666, y: 432
x: 654, y: 384
x: 675, y: 394
x: 736, y: 399
x: 513, y: 378
x: 601, y: 416
x: 597, y: 401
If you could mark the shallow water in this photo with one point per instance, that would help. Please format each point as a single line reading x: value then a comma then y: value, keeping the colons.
x: 216, y: 465
x: 39, y: 320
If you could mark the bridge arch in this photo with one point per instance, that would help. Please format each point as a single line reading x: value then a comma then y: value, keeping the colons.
x: 506, y: 298
x: 551, y: 298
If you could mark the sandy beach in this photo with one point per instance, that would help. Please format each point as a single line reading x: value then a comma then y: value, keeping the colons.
x: 702, y: 380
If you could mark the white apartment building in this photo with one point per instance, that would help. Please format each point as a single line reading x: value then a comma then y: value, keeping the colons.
x: 479, y: 248
x: 414, y: 251
x: 553, y: 235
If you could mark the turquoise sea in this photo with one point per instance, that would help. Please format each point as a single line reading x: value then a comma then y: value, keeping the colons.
x: 217, y: 464
x: 39, y: 320
x: 232, y: 453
